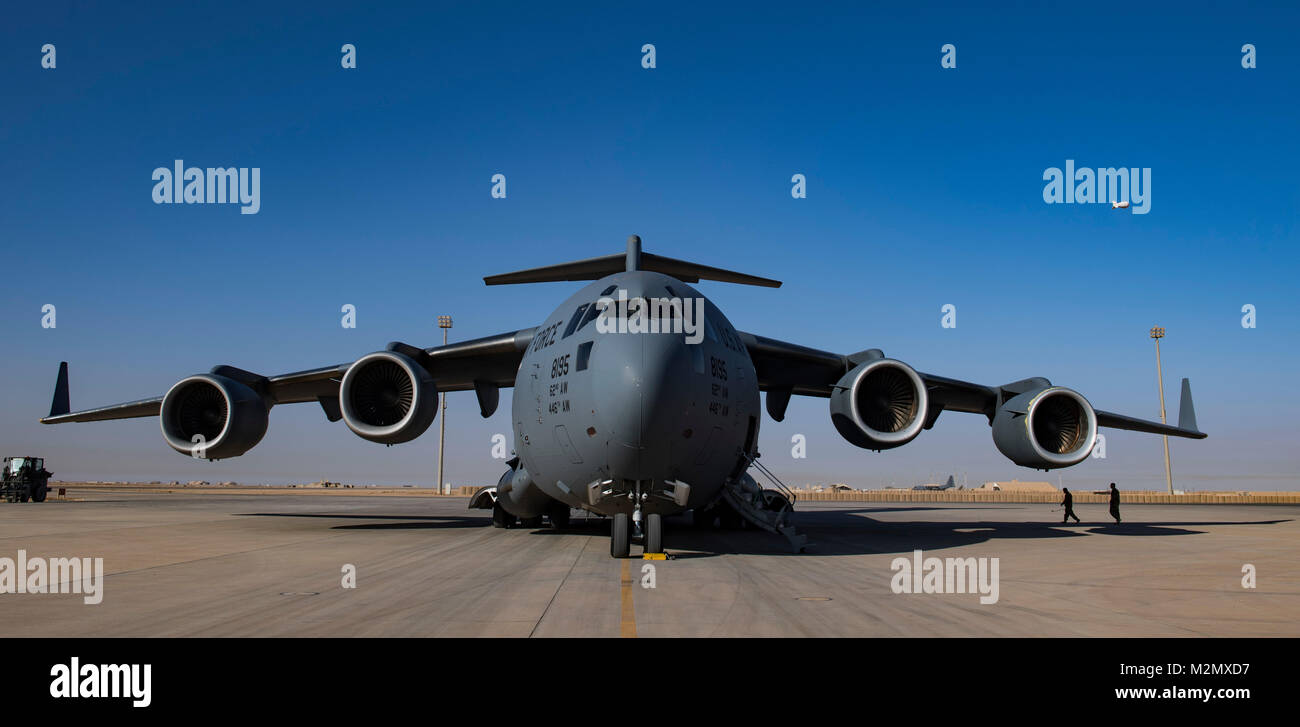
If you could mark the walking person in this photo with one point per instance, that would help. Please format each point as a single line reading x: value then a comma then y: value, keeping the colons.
x: 1114, y: 503
x: 1068, y: 504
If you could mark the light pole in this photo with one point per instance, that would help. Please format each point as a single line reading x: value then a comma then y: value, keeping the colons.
x: 444, y: 322
x: 1158, y: 333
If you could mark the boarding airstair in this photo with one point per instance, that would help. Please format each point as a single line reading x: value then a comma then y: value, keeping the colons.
x: 771, y: 510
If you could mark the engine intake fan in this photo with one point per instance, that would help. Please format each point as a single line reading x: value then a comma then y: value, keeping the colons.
x: 208, y: 416
x: 879, y: 404
x: 1046, y: 428
x: 387, y: 397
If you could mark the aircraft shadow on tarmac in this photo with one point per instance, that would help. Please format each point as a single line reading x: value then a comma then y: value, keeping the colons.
x: 399, y: 522
x: 854, y: 532
x: 831, y: 532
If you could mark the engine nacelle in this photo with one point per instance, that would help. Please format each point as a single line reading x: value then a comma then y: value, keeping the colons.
x: 880, y: 404
x: 387, y: 397
x: 212, y: 417
x: 1046, y: 428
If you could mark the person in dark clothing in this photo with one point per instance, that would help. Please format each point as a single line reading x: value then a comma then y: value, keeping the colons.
x: 1068, y: 504
x: 1114, y: 502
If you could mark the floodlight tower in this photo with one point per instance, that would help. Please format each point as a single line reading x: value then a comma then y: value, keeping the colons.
x: 1158, y: 333
x: 444, y: 322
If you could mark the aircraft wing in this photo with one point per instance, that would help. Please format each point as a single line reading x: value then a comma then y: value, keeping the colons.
x: 786, y: 368
x: 492, y: 360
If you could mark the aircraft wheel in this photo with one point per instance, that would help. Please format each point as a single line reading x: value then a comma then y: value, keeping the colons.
x: 38, y: 495
x: 654, y: 533
x: 559, y: 515
x: 501, y: 518
x: 618, y: 536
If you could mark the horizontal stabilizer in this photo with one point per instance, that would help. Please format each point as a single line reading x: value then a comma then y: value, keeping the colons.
x: 590, y: 269
x: 598, y: 267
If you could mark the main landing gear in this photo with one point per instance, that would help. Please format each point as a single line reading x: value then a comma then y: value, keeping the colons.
x: 501, y: 518
x: 558, y: 513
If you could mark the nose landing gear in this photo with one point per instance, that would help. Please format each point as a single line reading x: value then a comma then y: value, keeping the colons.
x: 618, y: 535
x: 648, y: 528
x: 654, y: 533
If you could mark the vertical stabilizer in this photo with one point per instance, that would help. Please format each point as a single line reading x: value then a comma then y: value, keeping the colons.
x: 633, y: 253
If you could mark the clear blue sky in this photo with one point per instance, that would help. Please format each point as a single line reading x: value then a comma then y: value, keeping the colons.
x: 924, y: 188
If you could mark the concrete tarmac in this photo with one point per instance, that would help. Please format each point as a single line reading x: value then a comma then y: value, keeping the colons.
x: 272, y: 565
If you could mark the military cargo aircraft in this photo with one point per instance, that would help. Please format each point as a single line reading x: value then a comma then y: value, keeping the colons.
x: 634, y: 399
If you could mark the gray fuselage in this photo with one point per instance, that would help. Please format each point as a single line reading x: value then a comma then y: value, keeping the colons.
x: 623, y: 413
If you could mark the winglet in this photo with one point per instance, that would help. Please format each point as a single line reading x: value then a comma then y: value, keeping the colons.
x: 1186, y: 413
x: 59, y: 406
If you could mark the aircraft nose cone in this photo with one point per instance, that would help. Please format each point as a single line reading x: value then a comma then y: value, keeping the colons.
x: 637, y: 401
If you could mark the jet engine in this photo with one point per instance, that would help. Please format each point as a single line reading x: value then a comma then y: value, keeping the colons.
x: 1045, y: 428
x: 879, y: 404
x: 212, y: 417
x: 387, y: 397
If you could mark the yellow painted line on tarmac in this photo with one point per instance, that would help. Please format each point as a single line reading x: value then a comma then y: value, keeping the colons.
x: 627, y: 628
